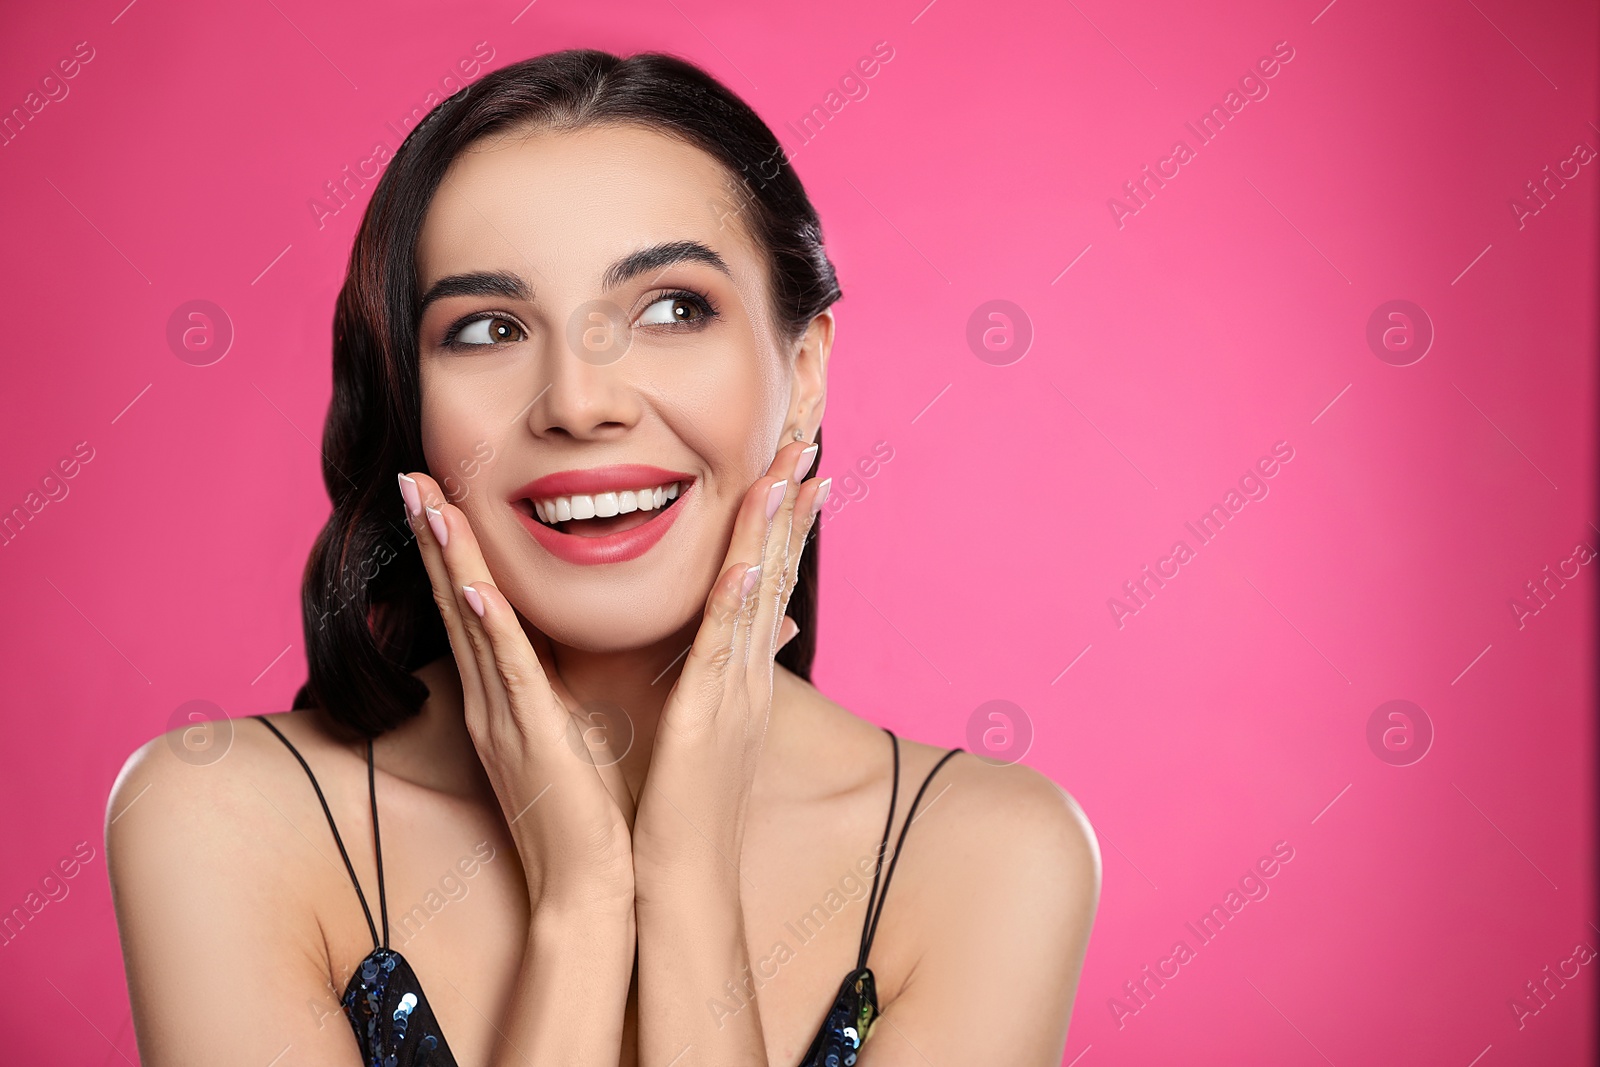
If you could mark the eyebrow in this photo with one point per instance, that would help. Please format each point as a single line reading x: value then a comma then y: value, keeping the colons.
x: 511, y: 286
x: 658, y: 257
x: 477, y: 283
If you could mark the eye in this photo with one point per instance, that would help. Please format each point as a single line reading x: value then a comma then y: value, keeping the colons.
x: 684, y: 308
x: 489, y: 330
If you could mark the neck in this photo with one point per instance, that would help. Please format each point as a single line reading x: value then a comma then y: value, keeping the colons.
x: 618, y: 697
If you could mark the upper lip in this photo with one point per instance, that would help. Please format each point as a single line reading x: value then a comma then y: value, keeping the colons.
x: 595, y: 480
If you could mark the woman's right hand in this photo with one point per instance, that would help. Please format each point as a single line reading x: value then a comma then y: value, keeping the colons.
x: 566, y: 818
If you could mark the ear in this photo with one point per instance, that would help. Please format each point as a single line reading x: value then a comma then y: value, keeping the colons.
x: 808, y: 381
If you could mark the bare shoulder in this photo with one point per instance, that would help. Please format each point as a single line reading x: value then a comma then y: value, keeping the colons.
x: 994, y: 891
x: 982, y: 828
x: 199, y: 803
x: 978, y: 820
x: 996, y: 915
x: 1006, y: 827
x: 221, y: 864
x: 211, y: 762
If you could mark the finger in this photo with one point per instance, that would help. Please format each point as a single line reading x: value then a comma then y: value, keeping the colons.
x: 526, y: 692
x: 462, y: 564
x: 521, y: 675
x: 813, y: 495
x: 724, y: 630
x: 706, y: 666
x: 554, y: 736
x: 745, y: 548
x: 444, y: 596
x: 713, y: 648
x: 794, y: 462
x: 520, y: 709
x: 787, y: 629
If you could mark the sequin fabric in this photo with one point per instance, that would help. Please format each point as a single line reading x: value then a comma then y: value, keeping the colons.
x: 848, y: 1024
x: 394, y: 1025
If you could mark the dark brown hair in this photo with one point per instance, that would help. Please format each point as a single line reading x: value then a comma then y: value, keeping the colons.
x: 369, y: 614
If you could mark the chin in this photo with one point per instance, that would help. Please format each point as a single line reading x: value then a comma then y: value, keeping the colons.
x: 613, y: 608
x: 612, y: 627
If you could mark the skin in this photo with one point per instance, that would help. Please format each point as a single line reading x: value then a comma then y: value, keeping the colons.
x: 745, y: 797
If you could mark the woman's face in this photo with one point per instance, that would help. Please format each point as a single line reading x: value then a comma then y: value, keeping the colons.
x: 596, y: 337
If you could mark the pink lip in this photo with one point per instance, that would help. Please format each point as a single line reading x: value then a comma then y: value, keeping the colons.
x: 612, y: 548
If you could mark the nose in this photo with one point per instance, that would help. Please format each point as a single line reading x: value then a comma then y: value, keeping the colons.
x: 587, y: 395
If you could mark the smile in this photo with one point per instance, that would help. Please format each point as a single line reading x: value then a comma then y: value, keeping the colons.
x: 604, y: 514
x: 558, y: 509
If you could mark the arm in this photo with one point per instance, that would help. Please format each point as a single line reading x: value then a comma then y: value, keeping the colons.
x: 567, y: 1007
x: 690, y: 827
x: 224, y: 959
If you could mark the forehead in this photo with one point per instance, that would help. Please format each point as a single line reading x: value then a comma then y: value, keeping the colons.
x: 564, y: 205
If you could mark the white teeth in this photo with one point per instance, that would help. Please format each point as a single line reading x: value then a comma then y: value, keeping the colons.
x: 604, y: 505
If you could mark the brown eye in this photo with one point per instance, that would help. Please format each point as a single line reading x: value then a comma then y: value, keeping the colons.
x: 678, y: 308
x: 487, y: 331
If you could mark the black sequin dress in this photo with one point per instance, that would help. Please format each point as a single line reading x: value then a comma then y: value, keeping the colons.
x: 395, y: 1027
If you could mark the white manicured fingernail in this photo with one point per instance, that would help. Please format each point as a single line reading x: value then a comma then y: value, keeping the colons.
x: 775, y: 497
x: 474, y: 601
x: 821, y: 497
x: 408, y: 490
x: 751, y: 577
x: 436, y: 523
x: 803, y: 465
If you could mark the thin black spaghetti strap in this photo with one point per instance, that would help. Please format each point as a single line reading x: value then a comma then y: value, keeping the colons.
x: 377, y: 845
x: 883, y: 848
x: 332, y: 826
x: 911, y: 817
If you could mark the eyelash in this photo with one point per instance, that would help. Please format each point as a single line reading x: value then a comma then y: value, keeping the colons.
x: 450, y: 341
x: 708, y: 311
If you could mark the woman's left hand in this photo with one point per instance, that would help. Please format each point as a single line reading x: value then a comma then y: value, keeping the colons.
x: 691, y: 808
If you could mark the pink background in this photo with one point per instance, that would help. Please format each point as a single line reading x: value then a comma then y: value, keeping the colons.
x: 1229, y: 714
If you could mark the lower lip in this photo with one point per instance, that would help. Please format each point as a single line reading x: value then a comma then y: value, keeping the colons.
x: 612, y: 548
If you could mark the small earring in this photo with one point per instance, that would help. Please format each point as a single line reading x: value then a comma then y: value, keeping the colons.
x: 799, y: 435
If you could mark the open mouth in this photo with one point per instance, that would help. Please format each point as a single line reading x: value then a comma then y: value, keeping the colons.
x: 604, y: 514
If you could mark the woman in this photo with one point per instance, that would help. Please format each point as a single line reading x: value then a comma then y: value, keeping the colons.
x: 564, y: 745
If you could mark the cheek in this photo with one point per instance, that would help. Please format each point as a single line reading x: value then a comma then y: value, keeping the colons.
x: 456, y: 437
x: 727, y: 406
